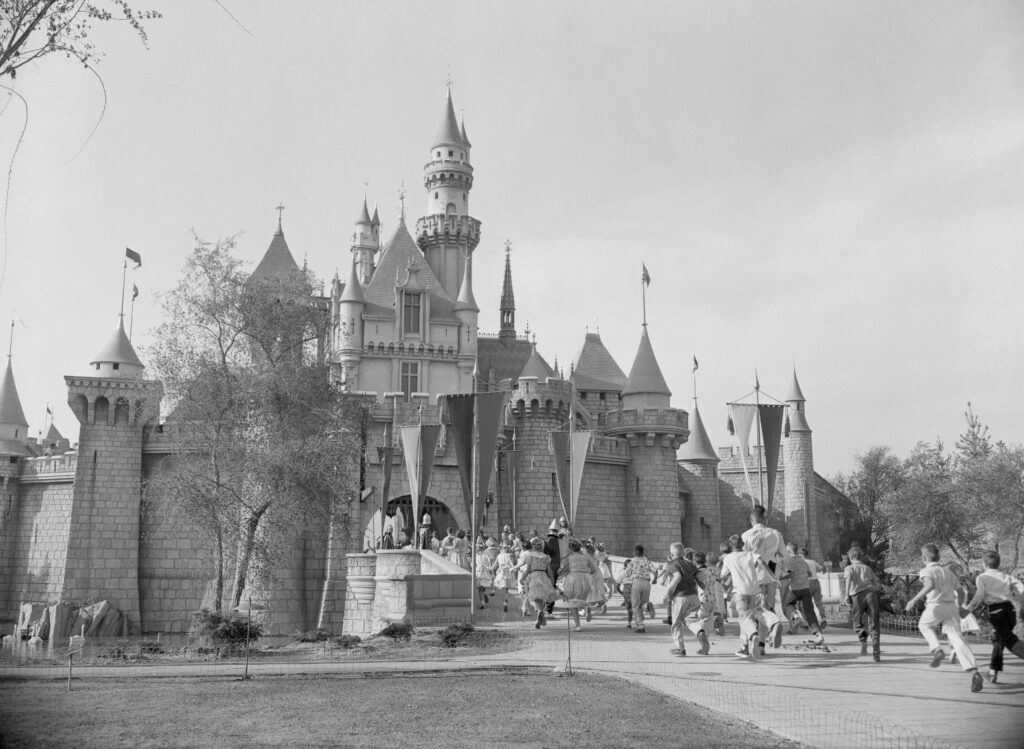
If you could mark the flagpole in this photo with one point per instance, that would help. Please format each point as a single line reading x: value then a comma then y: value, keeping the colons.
x: 760, y: 474
x: 643, y: 294
x: 124, y: 278
x: 476, y: 496
x: 131, y: 320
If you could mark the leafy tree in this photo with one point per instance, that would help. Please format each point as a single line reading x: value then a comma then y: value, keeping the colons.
x: 256, y: 428
x: 33, y: 29
x: 878, y: 475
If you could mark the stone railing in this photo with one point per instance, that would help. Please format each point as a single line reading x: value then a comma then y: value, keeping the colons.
x: 49, y: 468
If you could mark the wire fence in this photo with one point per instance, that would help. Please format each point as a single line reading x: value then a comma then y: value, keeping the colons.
x: 443, y: 645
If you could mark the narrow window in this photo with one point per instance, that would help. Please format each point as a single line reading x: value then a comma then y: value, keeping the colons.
x: 116, y: 365
x: 435, y: 196
x: 410, y: 378
x: 411, y: 314
x: 451, y: 153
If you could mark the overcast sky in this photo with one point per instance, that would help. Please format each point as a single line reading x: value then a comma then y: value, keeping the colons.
x: 839, y: 185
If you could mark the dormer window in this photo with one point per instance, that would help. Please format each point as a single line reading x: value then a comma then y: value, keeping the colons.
x: 412, y: 306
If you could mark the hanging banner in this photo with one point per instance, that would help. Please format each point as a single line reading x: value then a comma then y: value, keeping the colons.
x: 513, y: 469
x: 558, y: 445
x: 488, y: 423
x: 742, y: 415
x: 461, y: 409
x: 386, y: 457
x: 580, y: 445
x: 772, y: 418
x: 419, y: 444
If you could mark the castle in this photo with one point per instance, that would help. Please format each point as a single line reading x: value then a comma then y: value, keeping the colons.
x: 403, y: 331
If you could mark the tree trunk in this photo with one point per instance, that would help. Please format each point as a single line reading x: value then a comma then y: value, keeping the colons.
x: 327, y: 569
x: 246, y: 545
x: 219, y: 589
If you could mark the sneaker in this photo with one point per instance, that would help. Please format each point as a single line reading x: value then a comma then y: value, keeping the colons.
x: 819, y: 639
x: 667, y: 621
x: 705, y: 646
x: 577, y: 628
x: 754, y: 647
x: 742, y: 653
x: 938, y: 656
x: 641, y: 628
x: 629, y: 625
x: 677, y: 651
x: 863, y: 647
x: 775, y: 634
x: 976, y: 682
x: 650, y: 610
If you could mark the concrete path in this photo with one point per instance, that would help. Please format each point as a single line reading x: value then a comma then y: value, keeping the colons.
x: 828, y: 699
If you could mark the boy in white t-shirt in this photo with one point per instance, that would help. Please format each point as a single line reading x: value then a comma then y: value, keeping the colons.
x: 997, y: 590
x: 942, y: 608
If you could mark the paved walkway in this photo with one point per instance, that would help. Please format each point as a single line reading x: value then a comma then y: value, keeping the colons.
x: 829, y: 699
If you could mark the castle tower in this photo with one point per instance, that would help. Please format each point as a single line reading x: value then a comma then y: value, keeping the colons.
x: 703, y: 511
x: 654, y: 431
x: 540, y: 404
x: 113, y: 405
x: 447, y: 233
x: 13, y: 439
x: 801, y: 517
x: 468, y: 313
x: 507, y: 332
x: 348, y: 327
x: 365, y: 243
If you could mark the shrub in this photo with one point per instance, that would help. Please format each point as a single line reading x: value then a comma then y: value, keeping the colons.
x: 347, y: 641
x: 316, y: 635
x: 397, y: 631
x: 222, y: 628
x: 454, y: 634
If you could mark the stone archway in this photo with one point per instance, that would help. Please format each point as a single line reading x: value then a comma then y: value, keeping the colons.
x: 441, y: 518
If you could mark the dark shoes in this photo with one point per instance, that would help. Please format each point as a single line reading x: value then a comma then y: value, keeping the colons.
x: 976, y: 682
x: 938, y: 656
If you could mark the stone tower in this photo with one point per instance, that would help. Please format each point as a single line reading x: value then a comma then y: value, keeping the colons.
x: 347, y: 313
x: 13, y: 441
x: 801, y: 518
x: 447, y: 234
x: 539, y: 405
x: 654, y: 431
x: 113, y: 405
x: 365, y: 244
x: 702, y: 528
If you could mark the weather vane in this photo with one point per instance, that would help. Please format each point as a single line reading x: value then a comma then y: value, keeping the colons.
x: 280, y: 210
x: 401, y: 198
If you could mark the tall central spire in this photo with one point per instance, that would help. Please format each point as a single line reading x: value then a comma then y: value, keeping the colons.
x: 507, y: 332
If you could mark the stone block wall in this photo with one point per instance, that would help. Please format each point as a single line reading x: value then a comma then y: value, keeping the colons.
x: 654, y: 507
x: 798, y: 505
x: 39, y: 523
x: 702, y: 524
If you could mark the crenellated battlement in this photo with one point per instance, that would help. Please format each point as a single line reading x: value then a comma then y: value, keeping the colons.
x: 531, y: 397
x: 49, y: 468
x: 444, y: 229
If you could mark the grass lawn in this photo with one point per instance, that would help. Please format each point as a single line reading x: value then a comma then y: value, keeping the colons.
x: 472, y: 709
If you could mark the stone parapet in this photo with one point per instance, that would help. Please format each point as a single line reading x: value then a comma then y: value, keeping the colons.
x: 647, y: 426
x: 440, y: 229
x: 52, y: 469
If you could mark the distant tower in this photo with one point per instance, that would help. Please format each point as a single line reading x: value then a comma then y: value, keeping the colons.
x: 113, y: 405
x: 447, y: 233
x: 348, y: 328
x: 365, y: 244
x: 801, y: 517
x: 507, y: 332
x: 13, y: 439
x: 13, y: 425
x: 654, y: 431
x: 703, y: 523
x: 468, y: 313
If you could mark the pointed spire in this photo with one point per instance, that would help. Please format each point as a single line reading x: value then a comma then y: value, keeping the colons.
x: 698, y: 448
x: 448, y: 131
x: 375, y: 221
x: 466, y: 300
x: 364, y: 215
x: 462, y: 132
x: 353, y: 291
x: 11, y: 412
x: 795, y: 393
x: 507, y: 330
x: 278, y: 261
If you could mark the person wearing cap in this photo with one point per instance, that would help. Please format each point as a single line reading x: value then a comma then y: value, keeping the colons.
x: 553, y: 549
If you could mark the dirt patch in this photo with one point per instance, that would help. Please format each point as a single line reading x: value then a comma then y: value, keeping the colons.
x: 499, y: 708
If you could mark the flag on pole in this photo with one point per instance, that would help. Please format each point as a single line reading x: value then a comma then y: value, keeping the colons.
x: 646, y: 277
x: 48, y: 411
x: 133, y: 256
x: 695, y: 365
x: 135, y: 292
x: 757, y: 382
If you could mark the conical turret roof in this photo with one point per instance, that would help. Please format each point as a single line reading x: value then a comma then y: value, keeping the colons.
x: 795, y: 393
x: 53, y: 434
x: 375, y: 221
x: 448, y: 131
x: 698, y: 448
x: 462, y: 133
x: 594, y: 367
x: 364, y: 215
x: 466, y: 301
x: 11, y: 411
x: 536, y: 366
x: 277, y: 261
x: 645, y: 377
x: 353, y: 291
x: 118, y: 349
